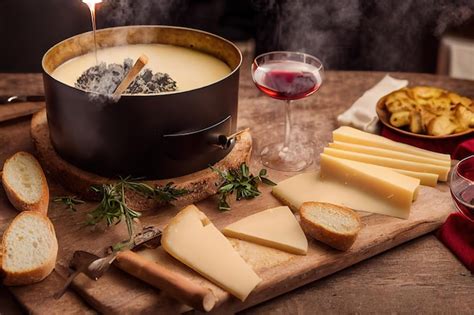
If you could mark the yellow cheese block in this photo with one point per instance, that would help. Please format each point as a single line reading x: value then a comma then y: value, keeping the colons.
x: 427, y: 179
x: 442, y: 171
x: 192, y: 239
x: 387, y: 153
x: 352, y: 184
x: 276, y: 227
x: 352, y: 135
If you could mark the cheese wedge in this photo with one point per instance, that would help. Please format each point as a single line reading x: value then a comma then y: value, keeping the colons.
x: 355, y: 136
x: 191, y: 238
x: 351, y: 184
x: 426, y: 179
x: 276, y: 227
x: 442, y: 171
x: 387, y: 153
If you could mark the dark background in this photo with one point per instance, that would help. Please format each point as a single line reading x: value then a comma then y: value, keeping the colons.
x: 386, y: 35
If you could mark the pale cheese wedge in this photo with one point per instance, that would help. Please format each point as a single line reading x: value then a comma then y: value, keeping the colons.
x: 351, y: 184
x: 442, y: 171
x: 352, y: 135
x: 427, y: 179
x: 191, y: 238
x: 276, y: 227
x: 387, y: 153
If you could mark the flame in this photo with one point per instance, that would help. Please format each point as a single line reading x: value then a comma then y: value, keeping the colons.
x: 91, y: 3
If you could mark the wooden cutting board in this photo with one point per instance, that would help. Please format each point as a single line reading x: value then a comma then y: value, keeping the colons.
x: 280, y: 271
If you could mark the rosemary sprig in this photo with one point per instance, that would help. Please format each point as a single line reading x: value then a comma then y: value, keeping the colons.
x: 69, y: 201
x: 113, y: 206
x: 240, y: 181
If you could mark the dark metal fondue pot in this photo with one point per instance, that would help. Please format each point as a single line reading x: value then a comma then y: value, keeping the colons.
x: 155, y: 136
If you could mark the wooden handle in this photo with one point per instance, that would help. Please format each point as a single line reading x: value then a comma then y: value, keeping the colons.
x: 176, y: 285
x: 137, y: 67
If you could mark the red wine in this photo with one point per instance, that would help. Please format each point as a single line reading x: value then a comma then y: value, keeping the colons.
x: 462, y: 187
x: 465, y: 201
x: 287, y: 80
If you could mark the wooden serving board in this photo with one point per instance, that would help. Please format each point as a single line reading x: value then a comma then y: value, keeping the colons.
x: 280, y: 271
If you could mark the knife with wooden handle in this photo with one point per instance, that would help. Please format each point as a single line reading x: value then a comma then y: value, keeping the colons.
x: 174, y: 284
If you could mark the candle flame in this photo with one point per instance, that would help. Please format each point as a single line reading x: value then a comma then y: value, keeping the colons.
x: 91, y: 3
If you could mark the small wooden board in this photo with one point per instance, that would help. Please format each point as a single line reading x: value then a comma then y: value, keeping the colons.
x: 200, y: 185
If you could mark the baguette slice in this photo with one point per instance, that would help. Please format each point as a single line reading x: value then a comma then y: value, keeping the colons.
x: 29, y: 249
x: 25, y: 183
x: 333, y: 225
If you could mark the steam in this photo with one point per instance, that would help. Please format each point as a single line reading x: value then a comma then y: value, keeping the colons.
x: 349, y: 34
x: 363, y: 33
x: 128, y: 12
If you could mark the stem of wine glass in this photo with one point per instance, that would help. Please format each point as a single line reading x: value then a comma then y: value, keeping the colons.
x: 286, y: 144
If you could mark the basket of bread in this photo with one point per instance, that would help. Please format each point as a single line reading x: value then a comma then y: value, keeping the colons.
x: 427, y: 112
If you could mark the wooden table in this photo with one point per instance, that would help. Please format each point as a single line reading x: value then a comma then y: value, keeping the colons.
x: 419, y: 276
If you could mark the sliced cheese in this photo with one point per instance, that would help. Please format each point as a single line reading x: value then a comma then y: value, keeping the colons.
x: 427, y: 179
x: 192, y: 239
x: 355, y: 185
x: 387, y: 153
x: 352, y: 135
x: 442, y: 171
x: 276, y: 227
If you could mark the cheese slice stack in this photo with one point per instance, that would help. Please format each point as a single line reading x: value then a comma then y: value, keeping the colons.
x: 276, y: 227
x: 191, y: 238
x: 356, y: 145
x: 352, y: 135
x: 356, y: 185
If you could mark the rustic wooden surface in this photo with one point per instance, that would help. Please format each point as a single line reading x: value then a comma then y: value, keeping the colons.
x: 421, y: 275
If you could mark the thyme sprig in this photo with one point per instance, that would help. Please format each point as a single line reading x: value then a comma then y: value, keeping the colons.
x: 240, y: 181
x: 69, y: 201
x: 113, y: 206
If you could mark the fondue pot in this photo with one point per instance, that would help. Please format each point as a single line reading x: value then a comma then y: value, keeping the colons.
x: 152, y: 136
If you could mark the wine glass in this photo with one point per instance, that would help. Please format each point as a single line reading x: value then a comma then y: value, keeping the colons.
x: 462, y: 186
x: 287, y: 76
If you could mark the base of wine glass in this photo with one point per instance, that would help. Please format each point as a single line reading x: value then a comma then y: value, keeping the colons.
x: 288, y: 159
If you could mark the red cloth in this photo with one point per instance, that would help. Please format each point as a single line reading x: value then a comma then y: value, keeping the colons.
x: 457, y: 234
x: 458, y: 147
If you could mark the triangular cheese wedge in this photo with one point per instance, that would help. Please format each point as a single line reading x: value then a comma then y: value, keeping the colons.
x: 191, y: 238
x: 276, y: 227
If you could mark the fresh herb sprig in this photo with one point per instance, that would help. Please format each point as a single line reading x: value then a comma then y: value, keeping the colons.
x: 240, y: 181
x: 113, y: 206
x: 69, y: 201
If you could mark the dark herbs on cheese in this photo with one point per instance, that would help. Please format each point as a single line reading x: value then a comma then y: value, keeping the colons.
x: 104, y: 79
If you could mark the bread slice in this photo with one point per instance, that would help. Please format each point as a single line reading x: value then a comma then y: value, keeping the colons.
x: 29, y: 249
x: 25, y: 183
x: 333, y: 225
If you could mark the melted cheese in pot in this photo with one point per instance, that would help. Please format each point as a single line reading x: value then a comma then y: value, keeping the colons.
x: 190, y: 68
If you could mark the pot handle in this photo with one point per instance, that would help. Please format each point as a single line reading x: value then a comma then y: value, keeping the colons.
x: 183, y: 145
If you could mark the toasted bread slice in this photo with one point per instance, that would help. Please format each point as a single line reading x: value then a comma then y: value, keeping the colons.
x: 29, y: 249
x: 25, y: 183
x: 333, y: 225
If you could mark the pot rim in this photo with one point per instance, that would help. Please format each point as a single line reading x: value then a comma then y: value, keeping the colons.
x: 237, y: 68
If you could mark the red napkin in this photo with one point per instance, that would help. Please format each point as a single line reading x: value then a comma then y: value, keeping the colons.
x: 457, y: 234
x: 458, y: 147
